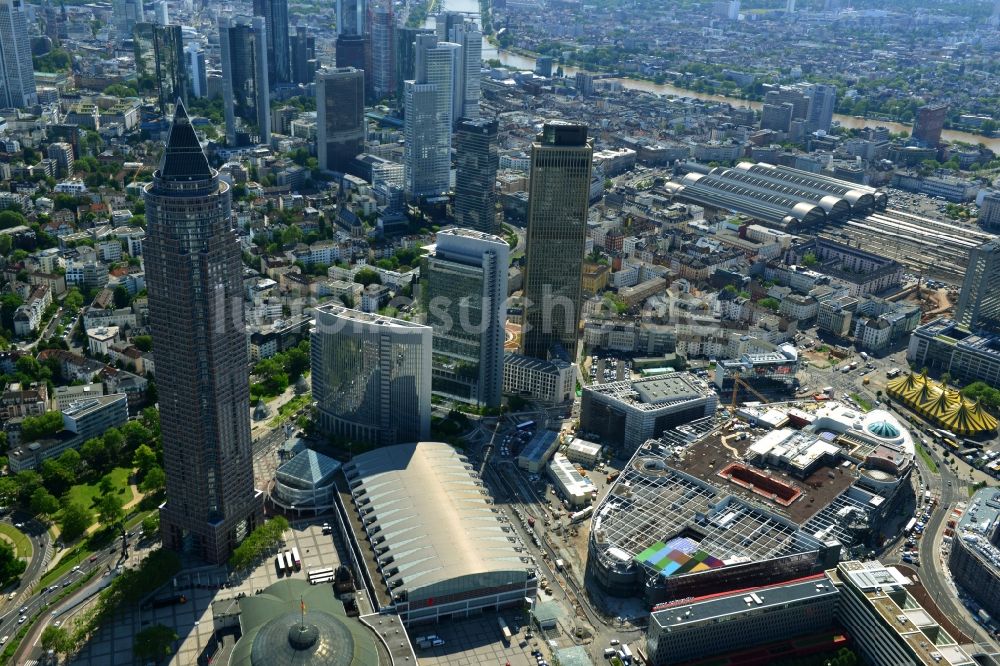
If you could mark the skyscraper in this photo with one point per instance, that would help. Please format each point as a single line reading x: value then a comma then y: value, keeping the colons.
x: 126, y: 14
x: 406, y: 55
x: 17, y: 73
x: 928, y: 123
x: 351, y: 17
x: 243, y: 43
x: 382, y: 22
x: 476, y: 161
x: 371, y: 376
x: 979, y: 302
x: 303, y: 57
x: 465, y: 103
x: 159, y: 63
x: 427, y: 125
x: 275, y: 13
x: 465, y: 292
x: 822, y: 102
x: 193, y: 270
x: 340, y: 117
x: 558, y: 197
x: 194, y: 58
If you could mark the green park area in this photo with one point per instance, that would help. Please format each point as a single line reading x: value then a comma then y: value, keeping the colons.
x: 17, y: 538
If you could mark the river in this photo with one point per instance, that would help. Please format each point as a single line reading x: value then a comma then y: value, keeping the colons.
x: 518, y: 61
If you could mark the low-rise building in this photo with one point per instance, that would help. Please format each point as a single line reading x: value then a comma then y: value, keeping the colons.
x: 577, y: 489
x: 538, y: 450
x: 583, y: 452
x: 19, y: 401
x: 99, y: 340
x: 550, y: 382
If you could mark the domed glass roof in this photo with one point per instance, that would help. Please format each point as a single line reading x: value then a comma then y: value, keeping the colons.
x: 287, y: 640
x: 883, y: 429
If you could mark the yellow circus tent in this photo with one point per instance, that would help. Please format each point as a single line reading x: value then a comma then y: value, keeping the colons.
x: 940, y: 404
x: 968, y: 418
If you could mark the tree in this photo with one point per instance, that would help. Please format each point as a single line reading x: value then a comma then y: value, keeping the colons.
x: 153, y: 643
x: 143, y: 342
x: 43, y: 503
x: 73, y: 300
x: 106, y: 486
x: 155, y: 479
x: 10, y: 218
x: 809, y: 259
x: 27, y: 481
x: 109, y: 509
x: 8, y: 491
x: 143, y: 459
x: 57, y: 639
x: 36, y: 427
x: 121, y: 296
x: 769, y: 303
x: 365, y: 276
x: 56, y: 478
x: 76, y: 518
x: 151, y: 524
x: 94, y: 453
x: 11, y: 566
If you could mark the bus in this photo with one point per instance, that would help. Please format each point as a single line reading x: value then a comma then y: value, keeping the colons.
x: 324, y: 575
x: 909, y: 526
x: 296, y: 560
x: 504, y: 629
x: 527, y: 425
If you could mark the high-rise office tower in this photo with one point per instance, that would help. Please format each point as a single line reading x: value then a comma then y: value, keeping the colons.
x: 193, y: 270
x: 790, y: 6
x: 243, y: 43
x: 303, y: 57
x: 126, y: 14
x: 558, y: 198
x: 194, y: 58
x: 427, y: 125
x: 17, y: 72
x: 791, y: 95
x: 161, y: 12
x: 275, y: 13
x: 464, y: 291
x: 979, y: 302
x: 351, y: 17
x: 382, y: 22
x: 352, y: 51
x: 928, y: 123
x: 159, y: 63
x: 476, y: 161
x: 776, y: 117
x: 406, y: 55
x: 371, y: 376
x: 822, y: 102
x: 340, y: 117
x: 465, y: 99
x: 444, y: 22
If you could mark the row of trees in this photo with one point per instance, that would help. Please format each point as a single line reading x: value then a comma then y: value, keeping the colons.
x: 258, y: 542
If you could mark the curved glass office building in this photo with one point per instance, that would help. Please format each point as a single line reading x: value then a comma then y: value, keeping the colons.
x: 371, y: 376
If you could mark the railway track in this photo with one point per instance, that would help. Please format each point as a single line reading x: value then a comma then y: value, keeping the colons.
x: 933, y: 248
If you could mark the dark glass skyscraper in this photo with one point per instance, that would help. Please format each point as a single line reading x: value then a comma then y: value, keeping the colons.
x: 243, y: 46
x: 159, y: 63
x: 558, y: 198
x: 477, y: 160
x: 193, y: 273
x: 979, y: 301
x: 303, y: 56
x: 340, y: 117
x: 275, y: 13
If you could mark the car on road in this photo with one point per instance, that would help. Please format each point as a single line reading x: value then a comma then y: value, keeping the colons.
x: 24, y: 609
x: 22, y: 619
x: 12, y: 595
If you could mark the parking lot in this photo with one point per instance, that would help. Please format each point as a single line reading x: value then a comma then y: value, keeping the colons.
x: 476, y: 641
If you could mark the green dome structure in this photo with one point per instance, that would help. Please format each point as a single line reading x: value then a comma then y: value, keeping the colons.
x: 883, y: 429
x: 277, y: 632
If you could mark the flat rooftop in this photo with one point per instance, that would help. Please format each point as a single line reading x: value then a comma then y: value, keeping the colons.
x: 709, y: 456
x: 699, y: 610
x: 655, y: 392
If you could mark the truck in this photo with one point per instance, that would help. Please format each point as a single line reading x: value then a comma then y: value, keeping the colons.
x: 828, y: 392
x: 531, y: 521
x: 894, y: 372
x: 560, y: 564
x: 503, y: 628
x: 612, y: 476
x: 864, y: 355
x: 626, y: 654
x: 581, y: 514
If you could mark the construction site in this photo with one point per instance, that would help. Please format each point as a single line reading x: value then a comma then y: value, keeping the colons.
x: 770, y: 493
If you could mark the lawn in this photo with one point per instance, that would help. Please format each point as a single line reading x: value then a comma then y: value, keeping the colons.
x: 922, y: 452
x: 87, y: 493
x: 22, y: 544
x: 862, y: 402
